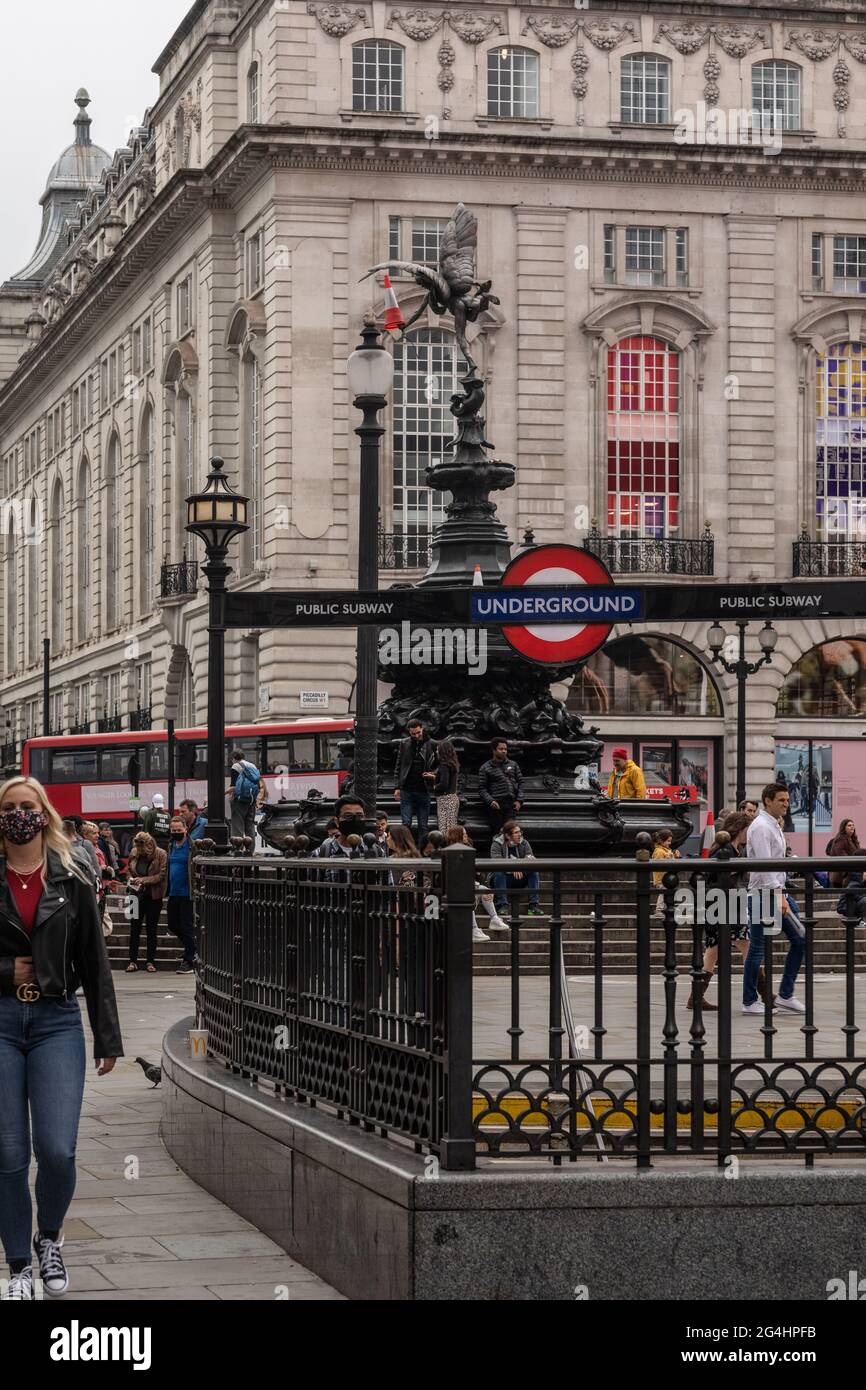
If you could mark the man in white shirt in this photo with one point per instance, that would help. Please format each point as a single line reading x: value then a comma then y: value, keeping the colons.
x: 765, y: 840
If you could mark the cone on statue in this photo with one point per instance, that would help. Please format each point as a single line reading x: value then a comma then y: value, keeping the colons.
x: 709, y: 835
x: 394, y: 319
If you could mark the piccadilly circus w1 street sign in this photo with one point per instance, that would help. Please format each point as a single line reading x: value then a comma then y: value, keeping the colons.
x: 538, y: 577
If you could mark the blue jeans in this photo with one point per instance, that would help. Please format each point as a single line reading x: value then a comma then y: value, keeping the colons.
x: 503, y: 883
x: 415, y: 804
x: 755, y: 958
x: 42, y: 1065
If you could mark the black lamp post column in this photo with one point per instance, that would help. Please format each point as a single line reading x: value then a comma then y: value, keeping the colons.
x: 46, y: 686
x: 217, y: 572
x: 742, y: 669
x: 371, y: 366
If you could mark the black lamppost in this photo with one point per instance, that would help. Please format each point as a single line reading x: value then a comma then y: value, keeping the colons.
x: 742, y: 669
x: 216, y: 515
x: 370, y: 372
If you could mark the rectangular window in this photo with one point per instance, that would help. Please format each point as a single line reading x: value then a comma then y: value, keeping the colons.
x: 682, y: 256
x: 849, y: 265
x: 49, y: 436
x: 56, y: 711
x: 643, y: 439
x: 377, y: 76
x: 512, y: 83
x: 644, y: 256
x: 120, y: 370
x: 81, y: 697
x: 112, y: 694
x: 112, y: 378
x: 184, y: 306
x: 394, y: 238
x: 143, y: 685
x: 80, y: 766
x: 817, y: 261
x: 146, y: 345
x: 136, y: 350
x: 645, y: 83
x: 76, y: 412
x: 114, y: 762
x: 103, y: 386
x: 255, y: 262
x: 426, y: 237
x: 610, y: 253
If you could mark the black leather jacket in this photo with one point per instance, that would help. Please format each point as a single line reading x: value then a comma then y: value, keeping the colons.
x: 68, y: 950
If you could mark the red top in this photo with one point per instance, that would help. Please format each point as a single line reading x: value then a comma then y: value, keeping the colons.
x: 26, y: 899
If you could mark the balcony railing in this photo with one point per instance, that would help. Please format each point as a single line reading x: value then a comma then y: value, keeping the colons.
x: 8, y: 754
x: 649, y: 556
x: 397, y: 552
x: 109, y: 724
x: 80, y: 728
x: 177, y: 581
x: 828, y: 559
x: 140, y: 718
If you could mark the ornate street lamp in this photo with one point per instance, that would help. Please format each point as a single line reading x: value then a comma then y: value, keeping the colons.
x: 370, y: 372
x: 217, y: 515
x: 742, y: 669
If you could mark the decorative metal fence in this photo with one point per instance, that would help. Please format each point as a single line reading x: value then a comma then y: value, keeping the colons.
x: 672, y: 555
x: 345, y: 988
x: 836, y: 559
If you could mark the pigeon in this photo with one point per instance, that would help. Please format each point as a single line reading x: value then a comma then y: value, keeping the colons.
x: 152, y: 1073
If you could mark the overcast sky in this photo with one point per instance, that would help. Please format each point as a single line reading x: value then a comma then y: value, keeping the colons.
x: 49, y: 49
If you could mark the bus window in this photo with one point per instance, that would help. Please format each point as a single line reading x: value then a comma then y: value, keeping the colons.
x: 115, y: 762
x: 74, y: 767
x: 186, y: 760
x: 251, y: 748
x: 303, y: 753
x: 329, y: 749
x: 157, y: 758
x: 40, y: 761
x: 278, y: 758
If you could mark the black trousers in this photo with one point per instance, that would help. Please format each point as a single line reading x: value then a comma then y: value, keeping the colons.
x: 505, y: 813
x: 150, y: 908
x: 181, y: 922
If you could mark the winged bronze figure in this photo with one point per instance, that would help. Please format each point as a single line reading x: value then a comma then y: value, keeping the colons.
x: 453, y: 288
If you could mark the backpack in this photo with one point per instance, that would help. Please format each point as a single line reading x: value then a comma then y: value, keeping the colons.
x: 247, y: 785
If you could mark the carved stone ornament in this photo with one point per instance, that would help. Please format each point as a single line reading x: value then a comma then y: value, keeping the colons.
x: 686, y: 38
x: 473, y: 27
x: 553, y: 31
x: 737, y: 41
x: 337, y: 20
x: 417, y: 24
x: 816, y: 44
x: 712, y: 73
x: 608, y: 34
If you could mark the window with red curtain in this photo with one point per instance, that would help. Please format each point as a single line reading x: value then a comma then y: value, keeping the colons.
x: 643, y: 439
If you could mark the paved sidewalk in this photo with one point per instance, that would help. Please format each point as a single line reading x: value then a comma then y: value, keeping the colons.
x: 138, y: 1228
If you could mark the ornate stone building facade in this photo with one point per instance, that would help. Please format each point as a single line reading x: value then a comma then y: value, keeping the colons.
x: 677, y: 353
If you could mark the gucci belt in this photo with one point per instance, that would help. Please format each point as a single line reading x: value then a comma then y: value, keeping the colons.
x: 28, y: 994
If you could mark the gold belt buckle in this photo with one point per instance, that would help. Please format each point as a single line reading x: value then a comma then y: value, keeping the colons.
x: 28, y: 994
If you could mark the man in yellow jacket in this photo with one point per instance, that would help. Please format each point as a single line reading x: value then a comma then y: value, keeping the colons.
x: 626, y: 781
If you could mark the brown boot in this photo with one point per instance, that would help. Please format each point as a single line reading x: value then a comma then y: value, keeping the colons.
x: 703, y: 986
x: 761, y: 985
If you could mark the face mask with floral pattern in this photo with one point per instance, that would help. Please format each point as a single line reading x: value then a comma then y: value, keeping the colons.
x: 20, y: 826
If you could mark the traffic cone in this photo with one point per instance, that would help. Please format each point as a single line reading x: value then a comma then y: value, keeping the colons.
x: 709, y: 835
x: 393, y: 317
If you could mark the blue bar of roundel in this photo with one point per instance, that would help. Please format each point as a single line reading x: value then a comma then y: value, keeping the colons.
x: 581, y: 604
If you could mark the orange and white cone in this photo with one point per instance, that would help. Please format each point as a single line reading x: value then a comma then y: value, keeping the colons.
x: 393, y: 317
x: 709, y: 835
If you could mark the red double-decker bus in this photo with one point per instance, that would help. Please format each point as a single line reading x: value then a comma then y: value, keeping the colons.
x: 92, y: 775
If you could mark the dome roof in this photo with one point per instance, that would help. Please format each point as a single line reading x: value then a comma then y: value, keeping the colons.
x: 81, y: 163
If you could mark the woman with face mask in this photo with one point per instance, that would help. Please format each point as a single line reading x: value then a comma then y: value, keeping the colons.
x: 148, y: 877
x: 50, y: 943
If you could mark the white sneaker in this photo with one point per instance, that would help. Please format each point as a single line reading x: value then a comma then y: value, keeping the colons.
x: 862, y: 922
x: 55, y: 1279
x: 497, y: 924
x: 793, y: 1004
x: 479, y: 935
x: 756, y: 1008
x: 18, y: 1287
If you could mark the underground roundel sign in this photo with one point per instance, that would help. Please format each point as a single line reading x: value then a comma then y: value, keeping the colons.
x: 550, y: 567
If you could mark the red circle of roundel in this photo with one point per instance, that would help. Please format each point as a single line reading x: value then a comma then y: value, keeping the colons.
x: 560, y: 643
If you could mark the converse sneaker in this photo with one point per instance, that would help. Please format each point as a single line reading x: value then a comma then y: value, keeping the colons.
x: 19, y: 1287
x: 52, y: 1270
x: 756, y: 1008
x: 479, y: 935
x: 496, y: 924
x: 535, y: 911
x: 795, y: 1005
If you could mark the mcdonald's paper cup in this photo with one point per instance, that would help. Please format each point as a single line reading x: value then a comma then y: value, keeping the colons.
x: 198, y: 1042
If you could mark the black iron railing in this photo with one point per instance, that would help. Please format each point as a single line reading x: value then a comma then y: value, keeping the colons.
x: 109, y: 724
x: 81, y: 728
x: 397, y: 552
x: 140, y: 718
x: 8, y: 753
x: 828, y: 559
x: 648, y: 556
x: 175, y: 581
x: 369, y: 983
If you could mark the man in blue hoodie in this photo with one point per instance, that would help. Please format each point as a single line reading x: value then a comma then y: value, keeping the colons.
x: 179, y: 901
x: 195, y: 821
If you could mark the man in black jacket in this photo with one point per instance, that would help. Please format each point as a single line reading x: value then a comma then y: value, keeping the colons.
x: 415, y: 777
x: 500, y: 785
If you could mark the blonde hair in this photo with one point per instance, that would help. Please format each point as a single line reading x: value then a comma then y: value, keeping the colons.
x: 53, y: 837
x: 146, y: 843
x: 90, y: 826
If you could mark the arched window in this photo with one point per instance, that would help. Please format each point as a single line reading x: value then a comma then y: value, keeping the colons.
x: 11, y: 598
x: 147, y: 592
x: 512, y: 82
x: 643, y: 439
x: 58, y: 570
x: 828, y: 682
x: 32, y: 549
x: 427, y: 366
x: 377, y: 76
x: 776, y: 94
x: 252, y: 454
x: 644, y: 675
x: 85, y: 553
x: 645, y: 90
x: 253, y: 94
x: 113, y: 524
x: 840, y: 448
